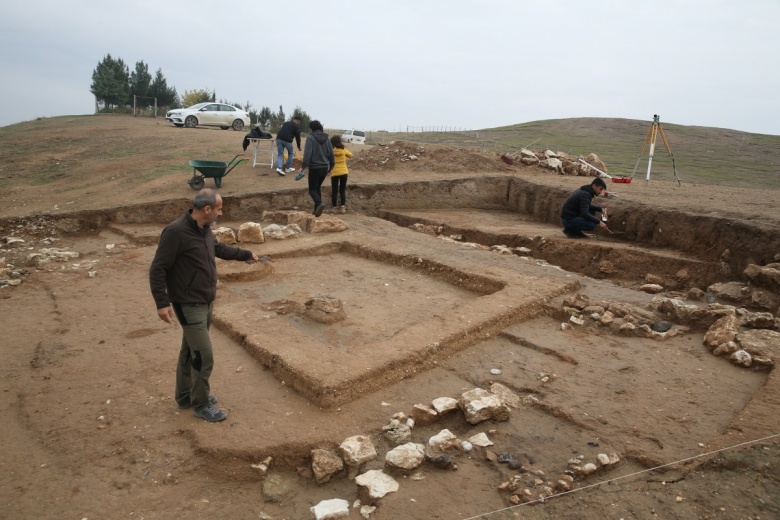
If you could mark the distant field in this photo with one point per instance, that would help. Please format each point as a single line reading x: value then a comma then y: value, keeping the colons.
x: 702, y: 154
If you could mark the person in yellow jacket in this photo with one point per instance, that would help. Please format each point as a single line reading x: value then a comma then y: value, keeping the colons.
x: 338, y: 177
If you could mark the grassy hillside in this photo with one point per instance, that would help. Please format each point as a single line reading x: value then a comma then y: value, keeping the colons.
x: 702, y: 154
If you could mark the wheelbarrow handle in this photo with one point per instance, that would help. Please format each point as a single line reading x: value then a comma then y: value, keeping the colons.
x: 233, y: 162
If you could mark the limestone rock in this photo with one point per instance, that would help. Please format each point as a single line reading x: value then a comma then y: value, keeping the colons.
x: 767, y: 276
x: 442, y: 442
x: 397, y: 432
x: 651, y: 288
x: 480, y: 405
x: 277, y: 232
x: 507, y: 396
x: 481, y: 439
x: 741, y: 358
x: 324, y: 309
x: 406, y: 456
x: 330, y: 509
x: 357, y: 449
x: 444, y: 405
x: 423, y: 415
x: 731, y: 291
x: 722, y: 331
x: 377, y: 483
x: 251, y: 233
x: 326, y: 224
x: 225, y: 235
x: 760, y: 343
x: 325, y: 464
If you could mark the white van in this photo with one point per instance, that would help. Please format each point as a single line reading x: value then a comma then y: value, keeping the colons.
x: 354, y: 136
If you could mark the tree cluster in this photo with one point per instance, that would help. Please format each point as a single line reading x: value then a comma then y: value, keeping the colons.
x: 114, y: 86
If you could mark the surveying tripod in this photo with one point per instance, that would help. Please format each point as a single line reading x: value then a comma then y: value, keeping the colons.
x: 655, y: 129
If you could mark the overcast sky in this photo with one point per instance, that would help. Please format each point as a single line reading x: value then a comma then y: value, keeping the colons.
x: 378, y: 65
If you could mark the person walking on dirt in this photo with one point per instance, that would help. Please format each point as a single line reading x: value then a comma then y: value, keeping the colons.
x: 338, y: 177
x: 183, y: 280
x: 578, y: 214
x: 318, y: 158
x: 284, y: 141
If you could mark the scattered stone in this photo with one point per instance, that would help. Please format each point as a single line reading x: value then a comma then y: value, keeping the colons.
x: 377, y: 483
x: 444, y: 405
x: 397, y: 432
x: 576, y: 320
x: 277, y: 489
x: 442, y: 442
x: 225, y: 235
x: 277, y: 232
x: 251, y: 233
x: 329, y: 509
x: 480, y: 405
x: 507, y: 396
x: 423, y: 415
x: 722, y: 331
x: 357, y: 449
x: 324, y: 309
x: 366, y: 511
x: 325, y: 464
x: 481, y: 439
x: 651, y: 288
x: 764, y: 344
x: 661, y: 326
x: 441, y: 461
x: 741, y: 358
x: 407, y: 456
x: 589, y: 468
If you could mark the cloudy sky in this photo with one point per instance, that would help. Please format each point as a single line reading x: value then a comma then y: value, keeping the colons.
x: 396, y: 63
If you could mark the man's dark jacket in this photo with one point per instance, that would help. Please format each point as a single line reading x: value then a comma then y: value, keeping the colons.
x: 318, y: 152
x: 579, y: 205
x: 255, y: 133
x: 184, y: 269
x: 288, y: 132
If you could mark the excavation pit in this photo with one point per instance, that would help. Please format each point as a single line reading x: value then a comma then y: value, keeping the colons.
x: 402, y: 314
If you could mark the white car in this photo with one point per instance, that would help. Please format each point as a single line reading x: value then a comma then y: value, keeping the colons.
x: 209, y: 114
x: 354, y: 136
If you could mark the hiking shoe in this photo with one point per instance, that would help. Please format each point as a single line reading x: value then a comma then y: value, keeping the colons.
x: 574, y: 234
x: 290, y: 170
x: 210, y: 413
x: 188, y: 404
x: 300, y: 176
x: 343, y: 209
x: 318, y: 211
x: 280, y: 172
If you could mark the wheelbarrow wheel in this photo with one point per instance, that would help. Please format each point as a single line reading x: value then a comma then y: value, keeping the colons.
x: 197, y: 182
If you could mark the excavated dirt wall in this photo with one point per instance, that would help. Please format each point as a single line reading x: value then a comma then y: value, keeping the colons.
x: 733, y: 243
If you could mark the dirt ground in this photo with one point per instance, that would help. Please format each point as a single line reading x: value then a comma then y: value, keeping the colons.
x: 431, y: 310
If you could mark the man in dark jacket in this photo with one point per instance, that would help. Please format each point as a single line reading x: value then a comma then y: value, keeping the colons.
x: 183, y: 279
x: 284, y: 138
x: 318, y: 157
x: 578, y: 214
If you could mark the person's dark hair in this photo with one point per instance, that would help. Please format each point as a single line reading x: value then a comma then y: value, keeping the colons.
x: 205, y: 197
x: 296, y: 118
x: 315, y: 125
x: 336, y: 141
x: 598, y: 181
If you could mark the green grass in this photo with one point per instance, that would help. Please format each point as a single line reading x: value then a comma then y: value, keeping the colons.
x: 701, y: 154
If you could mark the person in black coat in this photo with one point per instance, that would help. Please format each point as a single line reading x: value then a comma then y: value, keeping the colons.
x: 578, y: 214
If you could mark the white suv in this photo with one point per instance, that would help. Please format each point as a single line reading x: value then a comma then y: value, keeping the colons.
x: 354, y: 136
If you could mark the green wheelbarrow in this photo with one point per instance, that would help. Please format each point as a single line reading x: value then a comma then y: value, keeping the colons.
x: 212, y: 169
